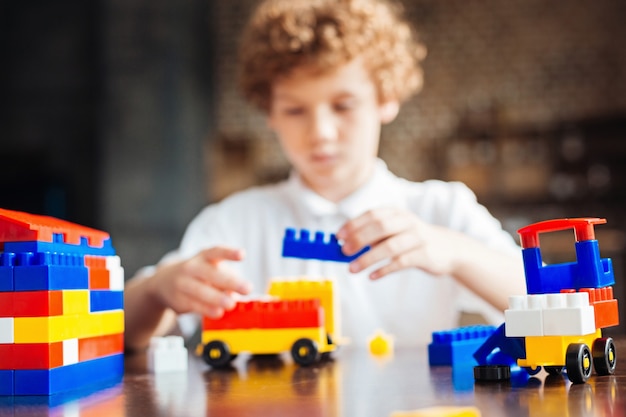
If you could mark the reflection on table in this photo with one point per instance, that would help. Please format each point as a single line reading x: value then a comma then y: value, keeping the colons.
x: 353, y: 384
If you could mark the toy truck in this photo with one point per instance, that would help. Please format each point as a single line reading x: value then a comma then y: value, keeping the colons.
x: 567, y: 305
x: 299, y: 318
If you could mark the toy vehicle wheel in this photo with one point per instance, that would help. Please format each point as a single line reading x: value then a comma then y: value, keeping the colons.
x: 305, y: 352
x: 217, y: 354
x: 578, y: 362
x: 492, y: 373
x: 603, y: 352
x: 553, y: 370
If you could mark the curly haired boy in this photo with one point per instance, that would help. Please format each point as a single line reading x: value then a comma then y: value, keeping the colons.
x: 328, y: 74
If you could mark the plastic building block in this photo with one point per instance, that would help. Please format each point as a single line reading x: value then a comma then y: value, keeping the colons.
x: 269, y: 315
x: 57, y: 334
x: 381, y: 344
x: 456, y: 346
x: 7, y: 329
x: 550, y: 350
x: 18, y: 226
x: 507, y: 349
x: 167, y: 354
x: 440, y: 411
x: 65, y: 378
x: 590, y: 271
x: 99, y: 346
x: 604, y: 305
x: 103, y: 300
x: 550, y: 315
x: 303, y: 288
x: 301, y: 246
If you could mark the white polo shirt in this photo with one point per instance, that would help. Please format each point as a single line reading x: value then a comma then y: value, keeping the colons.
x: 408, y: 304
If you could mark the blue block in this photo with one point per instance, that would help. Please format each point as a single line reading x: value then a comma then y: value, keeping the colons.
x: 6, y: 382
x: 589, y: 271
x: 498, y: 348
x: 104, y: 300
x: 319, y: 248
x: 455, y: 347
x: 7, y: 262
x: 60, y: 247
x: 70, y: 377
x: 50, y: 271
x: 593, y: 271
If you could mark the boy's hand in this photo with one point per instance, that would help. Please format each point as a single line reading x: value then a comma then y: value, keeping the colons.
x: 202, y: 284
x: 402, y: 238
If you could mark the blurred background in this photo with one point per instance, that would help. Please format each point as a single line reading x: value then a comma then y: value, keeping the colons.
x: 125, y: 115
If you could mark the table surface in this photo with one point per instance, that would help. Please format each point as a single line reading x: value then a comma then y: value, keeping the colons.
x: 353, y: 384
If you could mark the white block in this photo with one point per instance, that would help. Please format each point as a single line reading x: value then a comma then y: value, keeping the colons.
x: 7, y: 330
x: 116, y: 273
x: 569, y: 315
x: 70, y: 351
x: 167, y: 354
x: 525, y: 317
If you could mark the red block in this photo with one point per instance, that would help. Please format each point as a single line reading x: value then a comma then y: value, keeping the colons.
x: 269, y: 315
x: 31, y: 303
x: 98, y: 274
x: 31, y: 355
x: 99, y: 346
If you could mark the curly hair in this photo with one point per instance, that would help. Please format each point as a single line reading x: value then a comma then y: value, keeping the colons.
x: 322, y: 35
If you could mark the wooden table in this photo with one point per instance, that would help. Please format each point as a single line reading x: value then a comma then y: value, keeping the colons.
x: 353, y: 384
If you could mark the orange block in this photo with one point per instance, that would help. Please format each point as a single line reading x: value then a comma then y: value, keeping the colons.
x: 99, y: 346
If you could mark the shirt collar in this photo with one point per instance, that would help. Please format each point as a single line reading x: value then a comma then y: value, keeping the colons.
x: 368, y: 196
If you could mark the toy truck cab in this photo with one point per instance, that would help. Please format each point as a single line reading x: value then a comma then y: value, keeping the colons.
x: 567, y: 305
x: 300, y: 318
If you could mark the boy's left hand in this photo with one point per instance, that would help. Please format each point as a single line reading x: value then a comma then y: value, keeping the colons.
x: 402, y: 238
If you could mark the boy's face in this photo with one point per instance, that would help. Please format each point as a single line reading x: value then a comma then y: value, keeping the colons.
x: 329, y: 126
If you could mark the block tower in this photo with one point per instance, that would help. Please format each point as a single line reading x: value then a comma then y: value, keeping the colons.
x: 61, y: 306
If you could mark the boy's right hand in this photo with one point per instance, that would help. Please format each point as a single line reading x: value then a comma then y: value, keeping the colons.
x: 202, y: 284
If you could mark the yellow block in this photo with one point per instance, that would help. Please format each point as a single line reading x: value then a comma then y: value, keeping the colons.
x: 324, y: 290
x: 58, y: 328
x: 442, y: 411
x: 101, y: 323
x: 75, y: 302
x: 551, y: 350
x: 266, y: 341
x: 45, y: 329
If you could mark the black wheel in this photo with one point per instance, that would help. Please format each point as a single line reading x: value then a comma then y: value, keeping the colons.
x: 578, y: 362
x: 217, y: 354
x: 305, y: 352
x: 492, y: 373
x: 603, y: 352
x: 553, y: 370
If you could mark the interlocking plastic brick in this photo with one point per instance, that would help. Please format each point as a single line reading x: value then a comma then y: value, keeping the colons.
x: 17, y: 226
x: 507, y: 349
x: 31, y: 303
x: 105, y: 300
x: 605, y: 307
x: 524, y: 317
x: 568, y: 315
x: 6, y: 382
x: 456, y: 346
x: 99, y: 346
x: 65, y: 378
x: 7, y: 262
x: 302, y: 246
x: 269, y: 315
x: 7, y: 329
x: 49, y: 271
x: 167, y: 354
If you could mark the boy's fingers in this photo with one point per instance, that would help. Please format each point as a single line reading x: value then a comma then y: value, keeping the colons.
x: 390, y: 248
x: 222, y: 253
x: 207, y: 296
x: 226, y: 280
